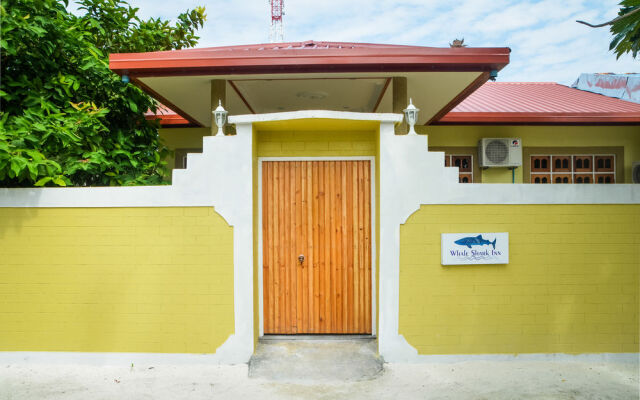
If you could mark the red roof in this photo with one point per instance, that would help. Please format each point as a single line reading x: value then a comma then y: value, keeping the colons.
x: 308, y: 57
x: 167, y: 117
x: 539, y: 103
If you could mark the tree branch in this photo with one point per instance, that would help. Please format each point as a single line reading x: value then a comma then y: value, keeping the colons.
x: 613, y: 21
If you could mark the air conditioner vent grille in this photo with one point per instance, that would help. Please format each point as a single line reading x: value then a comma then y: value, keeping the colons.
x: 497, y: 152
x: 500, y: 152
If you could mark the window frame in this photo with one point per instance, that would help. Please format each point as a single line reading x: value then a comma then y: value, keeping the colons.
x: 180, y: 157
x: 616, y: 151
x: 452, y: 151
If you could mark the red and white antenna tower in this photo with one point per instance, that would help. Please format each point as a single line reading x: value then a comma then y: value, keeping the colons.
x: 277, y: 29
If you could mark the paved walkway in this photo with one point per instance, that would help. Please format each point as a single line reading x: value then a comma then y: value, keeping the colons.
x: 459, y: 381
x: 316, y: 360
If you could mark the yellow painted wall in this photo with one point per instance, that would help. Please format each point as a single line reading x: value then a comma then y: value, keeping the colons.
x: 540, y: 136
x: 572, y: 284
x: 184, y: 138
x: 295, y: 139
x: 287, y: 140
x: 316, y: 143
x: 115, y: 279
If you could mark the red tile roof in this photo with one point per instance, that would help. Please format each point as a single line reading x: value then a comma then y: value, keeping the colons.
x: 308, y: 57
x: 167, y: 117
x: 539, y: 103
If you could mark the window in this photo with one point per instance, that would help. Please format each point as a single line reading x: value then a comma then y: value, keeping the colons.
x: 180, y: 161
x: 464, y: 162
x: 573, y: 168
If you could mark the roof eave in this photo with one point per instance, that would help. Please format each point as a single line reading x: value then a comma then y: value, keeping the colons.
x: 497, y: 118
x: 307, y: 61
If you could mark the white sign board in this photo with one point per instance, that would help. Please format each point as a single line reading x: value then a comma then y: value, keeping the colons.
x: 475, y: 248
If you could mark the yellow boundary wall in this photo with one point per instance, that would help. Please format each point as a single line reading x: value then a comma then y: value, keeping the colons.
x: 157, y: 279
x: 443, y: 310
x: 571, y: 285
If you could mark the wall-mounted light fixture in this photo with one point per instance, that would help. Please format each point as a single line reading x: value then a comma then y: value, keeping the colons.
x: 220, y: 116
x: 411, y: 116
x: 125, y: 79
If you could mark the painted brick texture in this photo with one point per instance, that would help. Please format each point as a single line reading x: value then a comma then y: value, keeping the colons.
x: 572, y: 284
x: 316, y: 144
x: 115, y: 279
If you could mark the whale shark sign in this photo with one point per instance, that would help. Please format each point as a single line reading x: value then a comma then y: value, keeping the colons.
x: 475, y: 248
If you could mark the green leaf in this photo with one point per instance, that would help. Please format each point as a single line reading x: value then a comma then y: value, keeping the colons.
x: 59, y: 181
x: 133, y: 106
x: 43, y: 181
x: 17, y: 165
x: 33, y: 171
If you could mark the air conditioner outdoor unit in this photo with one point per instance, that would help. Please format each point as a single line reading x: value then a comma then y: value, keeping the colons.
x: 635, y: 172
x: 500, y: 152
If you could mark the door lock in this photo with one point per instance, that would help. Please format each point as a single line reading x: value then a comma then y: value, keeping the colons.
x: 301, y: 258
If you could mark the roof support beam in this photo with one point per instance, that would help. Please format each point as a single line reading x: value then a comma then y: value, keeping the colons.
x: 479, y: 81
x: 382, y: 93
x: 239, y: 93
x: 219, y: 93
x: 399, y: 102
x: 191, y: 121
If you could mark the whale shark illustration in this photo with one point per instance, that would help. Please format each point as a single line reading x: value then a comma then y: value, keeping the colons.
x: 475, y: 241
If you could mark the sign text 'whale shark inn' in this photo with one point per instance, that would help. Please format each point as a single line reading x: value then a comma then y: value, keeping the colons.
x: 475, y: 248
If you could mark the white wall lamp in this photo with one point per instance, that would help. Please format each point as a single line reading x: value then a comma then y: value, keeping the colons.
x: 411, y: 116
x: 220, y: 116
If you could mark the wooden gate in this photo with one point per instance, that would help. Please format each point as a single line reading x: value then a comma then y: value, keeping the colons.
x: 316, y: 229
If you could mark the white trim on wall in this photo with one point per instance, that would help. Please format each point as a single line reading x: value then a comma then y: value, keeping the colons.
x: 144, y: 360
x: 554, y: 357
x: 318, y: 114
x: 220, y: 177
x: 372, y: 159
x: 410, y: 175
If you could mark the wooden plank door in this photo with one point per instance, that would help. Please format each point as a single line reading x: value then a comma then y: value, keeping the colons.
x: 320, y: 210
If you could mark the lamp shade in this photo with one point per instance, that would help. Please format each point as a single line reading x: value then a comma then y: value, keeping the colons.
x: 411, y: 116
x: 220, y: 116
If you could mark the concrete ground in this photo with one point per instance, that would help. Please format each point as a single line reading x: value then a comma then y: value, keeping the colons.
x: 465, y: 380
x: 316, y: 360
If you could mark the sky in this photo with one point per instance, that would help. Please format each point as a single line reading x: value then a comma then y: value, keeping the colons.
x: 546, y: 42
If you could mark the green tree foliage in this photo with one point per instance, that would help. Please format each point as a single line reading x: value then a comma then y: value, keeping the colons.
x: 65, y: 118
x: 625, y: 29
